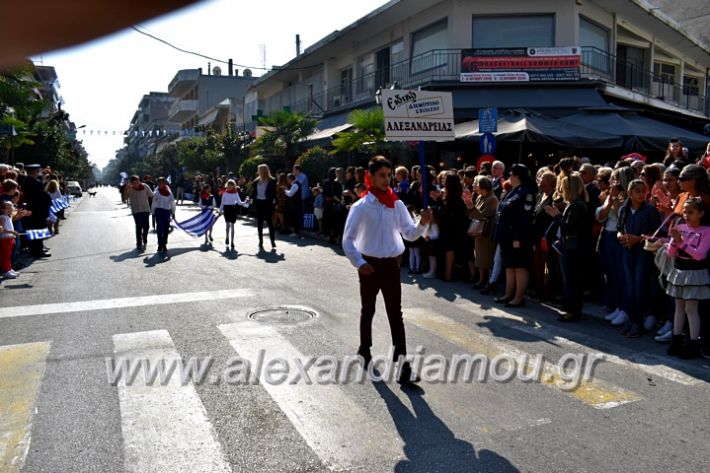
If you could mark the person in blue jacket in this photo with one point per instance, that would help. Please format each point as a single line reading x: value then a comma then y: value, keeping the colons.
x: 514, y: 234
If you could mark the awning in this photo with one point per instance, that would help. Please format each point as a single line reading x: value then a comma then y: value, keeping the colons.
x: 638, y: 132
x: 533, y: 128
x: 527, y: 97
x: 209, y: 118
x: 329, y: 126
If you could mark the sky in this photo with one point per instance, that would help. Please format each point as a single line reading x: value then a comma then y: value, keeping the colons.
x: 103, y: 81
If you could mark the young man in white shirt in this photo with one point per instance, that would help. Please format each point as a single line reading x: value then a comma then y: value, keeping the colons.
x: 372, y: 241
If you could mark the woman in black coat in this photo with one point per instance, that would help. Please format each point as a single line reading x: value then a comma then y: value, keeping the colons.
x: 514, y: 234
x: 452, y: 218
x: 573, y: 237
x: 263, y: 193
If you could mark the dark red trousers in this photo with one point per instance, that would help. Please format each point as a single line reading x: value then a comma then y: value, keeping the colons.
x: 6, y: 245
x: 386, y: 278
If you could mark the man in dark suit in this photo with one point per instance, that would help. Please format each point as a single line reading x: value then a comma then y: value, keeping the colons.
x: 38, y: 202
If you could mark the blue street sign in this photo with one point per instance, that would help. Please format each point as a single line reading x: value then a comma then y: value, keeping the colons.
x: 487, y: 144
x: 488, y: 120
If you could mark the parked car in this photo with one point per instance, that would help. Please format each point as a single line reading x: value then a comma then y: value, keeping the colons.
x: 74, y: 188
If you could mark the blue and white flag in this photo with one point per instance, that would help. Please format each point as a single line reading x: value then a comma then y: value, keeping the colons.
x: 199, y: 224
x: 40, y: 234
x: 58, y: 205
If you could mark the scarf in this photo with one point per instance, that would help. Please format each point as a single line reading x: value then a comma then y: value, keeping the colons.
x: 205, y: 195
x: 138, y: 187
x: 388, y: 197
x: 227, y: 191
x: 165, y: 191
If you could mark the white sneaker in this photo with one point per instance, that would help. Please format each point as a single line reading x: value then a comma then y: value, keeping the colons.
x: 612, y: 315
x: 620, y: 319
x: 667, y: 327
x: 665, y: 337
x: 10, y: 275
x: 649, y: 323
x: 429, y: 275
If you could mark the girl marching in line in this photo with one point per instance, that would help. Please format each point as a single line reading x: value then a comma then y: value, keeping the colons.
x: 689, y: 280
x: 228, y: 208
x: 207, y: 201
x: 163, y: 206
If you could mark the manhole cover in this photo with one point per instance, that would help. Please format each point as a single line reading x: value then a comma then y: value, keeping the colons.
x: 282, y: 315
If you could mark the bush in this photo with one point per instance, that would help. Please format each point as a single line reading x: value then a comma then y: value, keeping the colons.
x: 248, y: 169
x: 315, y: 163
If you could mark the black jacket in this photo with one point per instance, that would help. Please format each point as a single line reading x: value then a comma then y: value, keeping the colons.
x: 270, y: 190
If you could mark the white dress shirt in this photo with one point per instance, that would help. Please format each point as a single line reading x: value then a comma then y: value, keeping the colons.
x: 373, y: 229
x: 166, y: 202
x: 231, y: 198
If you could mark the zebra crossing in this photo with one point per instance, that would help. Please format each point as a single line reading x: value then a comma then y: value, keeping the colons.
x: 165, y: 426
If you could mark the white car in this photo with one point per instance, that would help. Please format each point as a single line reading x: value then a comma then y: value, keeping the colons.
x: 74, y: 188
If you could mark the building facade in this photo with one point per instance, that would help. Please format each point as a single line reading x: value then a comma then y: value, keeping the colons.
x: 150, y: 123
x: 629, y: 53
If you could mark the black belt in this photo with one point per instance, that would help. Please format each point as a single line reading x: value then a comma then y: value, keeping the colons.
x: 374, y: 258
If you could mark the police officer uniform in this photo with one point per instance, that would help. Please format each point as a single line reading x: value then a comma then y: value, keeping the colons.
x: 38, y: 202
x: 514, y: 223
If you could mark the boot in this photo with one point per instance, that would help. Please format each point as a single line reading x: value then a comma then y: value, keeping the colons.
x: 432, y: 268
x: 676, y: 345
x: 691, y: 350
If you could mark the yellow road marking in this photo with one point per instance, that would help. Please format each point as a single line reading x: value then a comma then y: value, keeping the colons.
x: 21, y: 371
x: 593, y: 392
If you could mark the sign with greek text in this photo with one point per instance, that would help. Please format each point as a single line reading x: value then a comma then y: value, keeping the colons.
x: 413, y: 115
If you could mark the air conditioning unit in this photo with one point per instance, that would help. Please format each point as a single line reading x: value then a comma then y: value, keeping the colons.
x: 338, y: 100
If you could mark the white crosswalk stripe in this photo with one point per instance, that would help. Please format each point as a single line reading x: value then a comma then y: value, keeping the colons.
x: 165, y: 427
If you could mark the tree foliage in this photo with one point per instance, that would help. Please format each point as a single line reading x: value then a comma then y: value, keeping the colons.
x: 285, y: 135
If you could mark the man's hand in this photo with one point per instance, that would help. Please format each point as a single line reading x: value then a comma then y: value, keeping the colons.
x: 516, y: 244
x: 426, y: 216
x: 366, y: 269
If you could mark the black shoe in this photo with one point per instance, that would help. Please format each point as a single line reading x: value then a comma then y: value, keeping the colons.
x: 519, y: 304
x: 569, y: 317
x: 627, y: 328
x: 41, y: 255
x: 211, y: 239
x: 406, y: 377
x: 366, y: 357
x: 501, y: 300
x: 489, y: 289
x: 676, y: 347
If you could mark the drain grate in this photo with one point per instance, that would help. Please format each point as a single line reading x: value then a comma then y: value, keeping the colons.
x: 282, y: 315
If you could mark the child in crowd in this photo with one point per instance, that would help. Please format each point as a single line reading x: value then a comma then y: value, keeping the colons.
x: 415, y: 247
x: 207, y: 201
x: 7, y: 240
x: 431, y: 234
x: 54, y: 192
x: 318, y: 206
x: 689, y: 280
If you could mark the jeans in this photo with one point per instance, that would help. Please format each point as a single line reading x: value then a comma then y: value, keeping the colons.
x: 615, y: 287
x: 638, y: 275
x: 142, y: 226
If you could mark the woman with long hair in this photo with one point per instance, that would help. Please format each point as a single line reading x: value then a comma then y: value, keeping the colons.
x: 263, y: 193
x: 514, y: 234
x: 452, y: 220
x: 484, y: 208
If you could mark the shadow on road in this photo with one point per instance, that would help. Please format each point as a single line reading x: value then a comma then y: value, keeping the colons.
x: 429, y: 445
x: 270, y: 256
x: 131, y: 254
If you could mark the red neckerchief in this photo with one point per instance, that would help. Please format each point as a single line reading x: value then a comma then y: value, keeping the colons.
x: 227, y: 191
x: 165, y: 191
x: 705, y: 162
x: 388, y: 197
x: 205, y: 195
x: 138, y: 187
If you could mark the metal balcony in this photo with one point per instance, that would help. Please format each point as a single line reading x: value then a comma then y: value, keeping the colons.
x: 182, y: 110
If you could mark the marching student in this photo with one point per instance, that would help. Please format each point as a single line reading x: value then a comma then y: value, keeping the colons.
x: 373, y: 243
x: 689, y: 280
x: 139, y: 196
x: 228, y: 208
x: 207, y: 201
x: 163, y: 207
x: 7, y: 240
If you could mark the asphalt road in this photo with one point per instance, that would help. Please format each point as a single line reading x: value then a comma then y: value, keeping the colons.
x: 98, y: 299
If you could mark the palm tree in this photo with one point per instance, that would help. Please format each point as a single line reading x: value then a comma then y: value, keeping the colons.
x: 367, y: 135
x: 284, y: 135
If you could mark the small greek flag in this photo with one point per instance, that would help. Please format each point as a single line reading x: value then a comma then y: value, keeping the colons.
x: 199, y: 224
x: 58, y: 205
x: 38, y: 234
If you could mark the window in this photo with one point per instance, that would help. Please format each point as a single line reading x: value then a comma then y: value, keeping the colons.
x: 366, y: 76
x: 424, y: 42
x: 594, y: 40
x: 536, y: 31
x: 346, y: 79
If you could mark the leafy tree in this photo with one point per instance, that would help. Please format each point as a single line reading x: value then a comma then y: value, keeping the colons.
x: 315, y: 163
x: 367, y: 134
x: 285, y: 136
x: 248, y: 168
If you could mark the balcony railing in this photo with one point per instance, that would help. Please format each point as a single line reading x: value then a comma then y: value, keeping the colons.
x: 181, y: 110
x: 444, y: 66
x: 608, y: 68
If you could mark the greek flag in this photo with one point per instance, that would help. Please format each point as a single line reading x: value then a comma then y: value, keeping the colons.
x: 38, y: 234
x: 199, y: 224
x: 58, y: 205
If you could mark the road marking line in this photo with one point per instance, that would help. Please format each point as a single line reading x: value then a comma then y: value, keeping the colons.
x: 647, y: 363
x: 323, y: 414
x: 165, y: 427
x: 22, y: 368
x: 120, y: 303
x: 595, y: 392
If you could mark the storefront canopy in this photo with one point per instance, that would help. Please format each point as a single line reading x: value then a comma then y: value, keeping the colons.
x: 637, y: 131
x: 532, y: 128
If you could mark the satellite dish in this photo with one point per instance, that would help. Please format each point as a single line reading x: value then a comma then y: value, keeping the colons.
x: 216, y: 71
x: 247, y: 73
